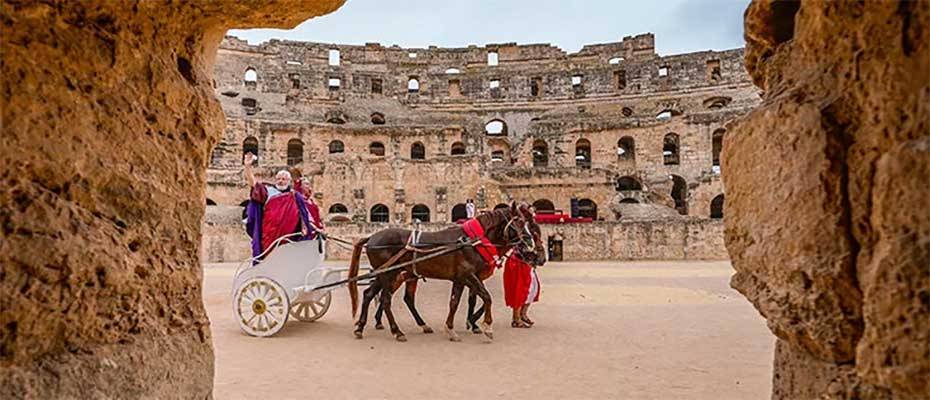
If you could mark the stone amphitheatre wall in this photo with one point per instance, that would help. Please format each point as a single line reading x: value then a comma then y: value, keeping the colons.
x: 558, y: 143
x: 108, y: 118
x: 224, y: 239
x: 832, y: 244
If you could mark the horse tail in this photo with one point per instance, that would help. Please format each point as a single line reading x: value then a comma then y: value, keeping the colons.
x: 353, y: 272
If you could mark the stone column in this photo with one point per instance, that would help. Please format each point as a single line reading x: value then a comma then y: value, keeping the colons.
x: 108, y: 120
x: 827, y: 199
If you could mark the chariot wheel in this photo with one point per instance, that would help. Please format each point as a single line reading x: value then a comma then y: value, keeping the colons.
x: 311, y: 310
x: 261, y: 307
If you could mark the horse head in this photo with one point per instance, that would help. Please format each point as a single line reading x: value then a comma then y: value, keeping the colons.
x: 525, y: 233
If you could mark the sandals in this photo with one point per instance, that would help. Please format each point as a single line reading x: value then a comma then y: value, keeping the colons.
x: 518, y: 323
x: 527, y: 320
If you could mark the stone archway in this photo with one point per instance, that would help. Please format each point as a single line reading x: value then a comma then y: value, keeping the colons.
x: 93, y: 273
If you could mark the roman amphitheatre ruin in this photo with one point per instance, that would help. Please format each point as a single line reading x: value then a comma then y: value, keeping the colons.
x: 124, y: 126
x: 613, y: 134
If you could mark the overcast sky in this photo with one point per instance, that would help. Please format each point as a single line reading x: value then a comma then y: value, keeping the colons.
x: 680, y: 26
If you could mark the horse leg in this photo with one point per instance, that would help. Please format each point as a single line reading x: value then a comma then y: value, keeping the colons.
x: 386, y: 303
x: 475, y: 284
x: 410, y: 297
x: 369, y: 295
x: 394, y: 287
x: 472, y: 314
x: 457, y: 288
x: 378, y: 313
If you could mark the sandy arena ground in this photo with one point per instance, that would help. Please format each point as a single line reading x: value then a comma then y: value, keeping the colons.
x: 604, y: 330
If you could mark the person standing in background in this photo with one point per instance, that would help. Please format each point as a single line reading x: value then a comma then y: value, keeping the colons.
x: 469, y: 209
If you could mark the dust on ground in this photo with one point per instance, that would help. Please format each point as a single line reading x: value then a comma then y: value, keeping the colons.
x: 631, y: 330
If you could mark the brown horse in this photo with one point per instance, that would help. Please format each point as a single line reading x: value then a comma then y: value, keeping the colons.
x: 410, y: 291
x: 506, y: 229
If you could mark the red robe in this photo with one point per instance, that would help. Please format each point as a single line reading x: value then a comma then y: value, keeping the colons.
x: 518, y: 276
x: 280, y: 214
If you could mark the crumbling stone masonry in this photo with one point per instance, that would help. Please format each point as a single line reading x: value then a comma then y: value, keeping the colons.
x: 108, y: 118
x: 828, y: 203
x: 388, y: 134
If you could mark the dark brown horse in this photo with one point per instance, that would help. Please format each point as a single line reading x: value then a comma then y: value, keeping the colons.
x: 506, y: 229
x: 410, y: 291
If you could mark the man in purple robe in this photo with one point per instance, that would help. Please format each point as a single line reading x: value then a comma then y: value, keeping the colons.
x: 274, y: 210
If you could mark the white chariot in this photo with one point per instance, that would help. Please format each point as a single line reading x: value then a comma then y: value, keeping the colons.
x: 283, y: 284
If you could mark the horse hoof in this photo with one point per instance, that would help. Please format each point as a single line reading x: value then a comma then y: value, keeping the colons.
x: 379, y: 327
x: 453, y: 337
x: 358, y: 334
x: 400, y: 338
x: 476, y: 330
x: 427, y: 329
x: 488, y: 333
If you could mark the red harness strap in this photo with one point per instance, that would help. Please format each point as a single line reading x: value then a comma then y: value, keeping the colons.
x: 487, y: 250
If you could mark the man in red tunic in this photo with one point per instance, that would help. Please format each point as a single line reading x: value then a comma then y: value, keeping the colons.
x: 521, y: 288
x: 274, y: 210
x: 302, y: 185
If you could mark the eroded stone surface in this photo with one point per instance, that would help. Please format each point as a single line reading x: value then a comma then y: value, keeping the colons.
x: 110, y: 110
x: 828, y: 226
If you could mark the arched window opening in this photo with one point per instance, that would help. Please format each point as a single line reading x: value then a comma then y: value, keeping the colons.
x: 629, y: 200
x: 716, y: 207
x: 334, y: 83
x: 334, y: 57
x: 587, y: 208
x: 251, y: 77
x: 377, y: 118
x: 680, y: 194
x: 338, y: 209
x: 417, y: 151
x: 717, y: 145
x: 336, y: 117
x: 626, y: 183
x: 458, y: 148
x: 250, y: 105
x: 497, y: 156
x: 495, y: 127
x: 376, y: 149
x: 583, y: 153
x: 664, y: 71
x: 295, y: 152
x: 420, y: 212
x: 664, y: 115
x: 459, y: 212
x: 670, y: 149
x: 336, y: 146
x: 413, y: 85
x: 501, y: 206
x: 626, y: 148
x: 544, y: 206
x: 615, y: 60
x: 380, y: 213
x: 540, y: 154
x: 250, y: 145
x: 717, y: 102
x: 453, y: 71
x: 492, y: 58
x: 210, y: 202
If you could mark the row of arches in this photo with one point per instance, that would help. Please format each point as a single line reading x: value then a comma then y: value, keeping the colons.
x: 295, y: 149
x: 381, y: 213
x: 626, y: 150
x: 585, y: 208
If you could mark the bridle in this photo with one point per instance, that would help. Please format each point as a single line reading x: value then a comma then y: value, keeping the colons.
x: 522, y: 240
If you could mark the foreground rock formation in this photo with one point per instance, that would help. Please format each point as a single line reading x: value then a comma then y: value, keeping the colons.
x: 108, y: 118
x: 827, y: 195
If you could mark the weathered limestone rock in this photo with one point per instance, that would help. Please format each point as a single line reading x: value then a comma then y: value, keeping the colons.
x: 108, y: 118
x: 827, y: 195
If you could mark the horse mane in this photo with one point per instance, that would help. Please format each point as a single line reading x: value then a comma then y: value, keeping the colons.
x: 491, y: 219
